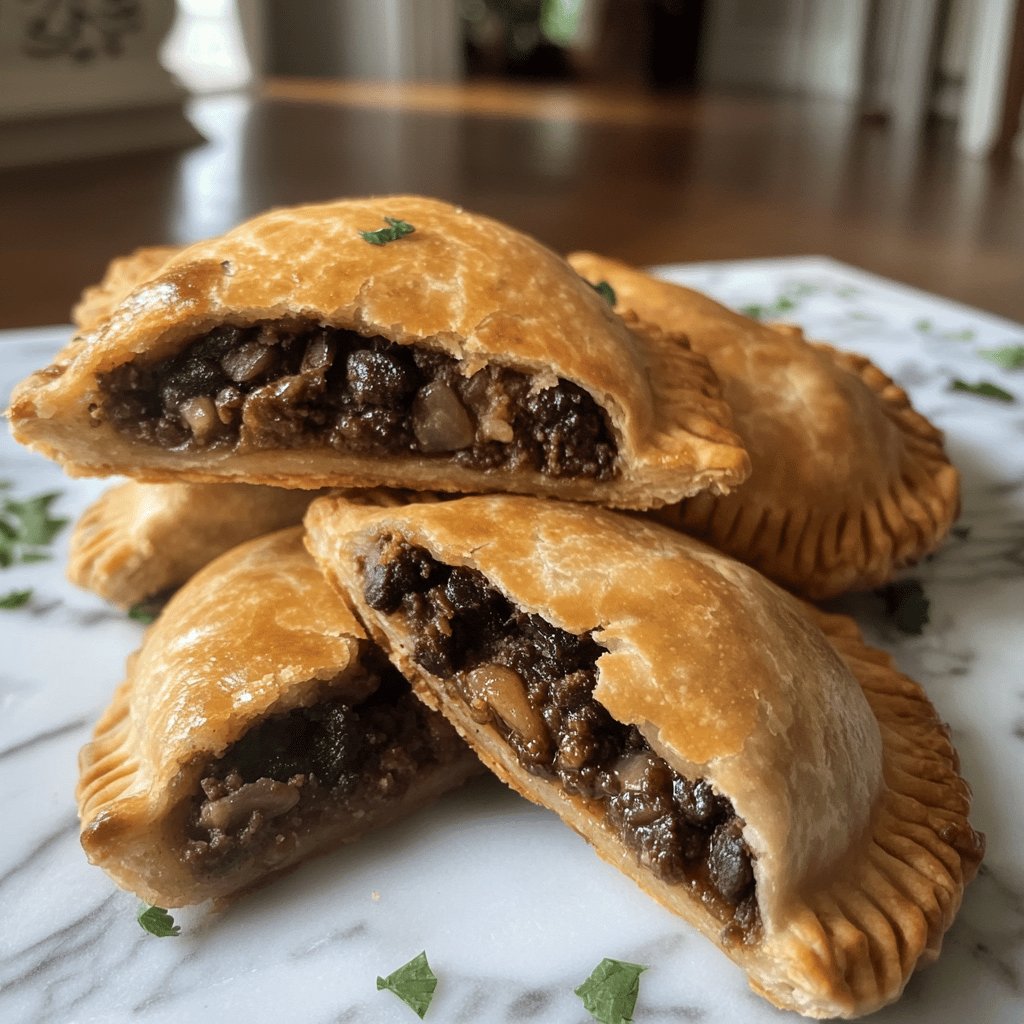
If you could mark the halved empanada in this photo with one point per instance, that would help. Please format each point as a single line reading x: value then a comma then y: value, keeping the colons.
x: 257, y: 726
x: 141, y: 540
x: 464, y: 356
x: 798, y: 802
x: 848, y: 483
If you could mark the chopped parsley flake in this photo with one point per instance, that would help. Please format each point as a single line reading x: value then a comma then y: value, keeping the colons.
x: 783, y: 304
x: 609, y: 994
x: 396, y: 229
x: 158, y: 922
x: 25, y: 527
x: 984, y: 388
x: 143, y: 612
x: 1009, y: 357
x: 413, y: 983
x: 15, y: 599
x: 605, y: 290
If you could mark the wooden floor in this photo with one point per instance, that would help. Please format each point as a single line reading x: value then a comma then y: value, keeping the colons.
x: 648, y: 180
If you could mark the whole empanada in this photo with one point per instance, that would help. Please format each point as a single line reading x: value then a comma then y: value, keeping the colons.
x: 141, y: 540
x: 462, y: 356
x: 798, y: 802
x: 257, y: 726
x: 848, y: 482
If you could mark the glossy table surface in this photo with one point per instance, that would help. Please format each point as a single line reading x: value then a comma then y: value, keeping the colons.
x: 647, y: 179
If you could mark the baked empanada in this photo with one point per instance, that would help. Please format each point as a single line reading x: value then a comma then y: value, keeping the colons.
x: 123, y: 275
x: 140, y: 540
x: 257, y: 726
x: 463, y: 356
x: 799, y: 803
x: 848, y: 484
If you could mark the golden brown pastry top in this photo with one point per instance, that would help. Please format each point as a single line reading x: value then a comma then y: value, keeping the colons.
x: 199, y: 682
x: 257, y: 633
x: 461, y: 282
x: 716, y: 666
x: 848, y: 482
x: 854, y: 809
x: 122, y: 276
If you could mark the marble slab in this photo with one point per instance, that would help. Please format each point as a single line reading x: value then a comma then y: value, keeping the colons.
x: 512, y: 908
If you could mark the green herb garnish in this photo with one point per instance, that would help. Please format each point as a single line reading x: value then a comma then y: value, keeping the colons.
x: 158, y: 922
x: 413, y: 983
x: 984, y: 388
x: 396, y: 229
x: 142, y: 612
x: 26, y: 526
x: 609, y: 994
x: 907, y: 605
x: 15, y: 599
x: 605, y: 290
x: 783, y: 304
x: 928, y: 328
x: 1009, y: 357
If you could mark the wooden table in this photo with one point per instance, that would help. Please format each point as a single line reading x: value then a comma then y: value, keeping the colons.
x: 648, y: 179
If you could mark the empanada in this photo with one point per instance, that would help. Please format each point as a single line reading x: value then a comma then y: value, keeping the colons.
x: 140, y: 540
x: 848, y: 484
x: 123, y: 275
x: 688, y: 718
x: 257, y: 726
x: 463, y: 356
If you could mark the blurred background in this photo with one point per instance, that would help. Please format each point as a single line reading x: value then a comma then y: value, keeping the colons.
x: 886, y: 133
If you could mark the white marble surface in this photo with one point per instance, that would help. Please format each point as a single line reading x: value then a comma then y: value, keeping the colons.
x: 512, y: 908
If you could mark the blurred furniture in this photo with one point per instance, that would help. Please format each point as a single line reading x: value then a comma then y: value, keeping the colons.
x: 81, y: 79
x: 902, y: 60
x: 384, y: 40
x: 990, y: 119
x: 648, y: 179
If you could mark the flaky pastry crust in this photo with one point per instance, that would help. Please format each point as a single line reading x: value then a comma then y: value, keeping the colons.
x: 122, y: 276
x: 854, y: 811
x: 461, y: 284
x: 848, y: 483
x: 139, y: 540
x: 256, y: 633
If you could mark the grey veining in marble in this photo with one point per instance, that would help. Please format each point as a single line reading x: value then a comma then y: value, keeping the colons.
x: 512, y: 908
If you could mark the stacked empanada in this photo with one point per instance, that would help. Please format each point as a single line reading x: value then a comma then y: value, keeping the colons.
x: 743, y: 756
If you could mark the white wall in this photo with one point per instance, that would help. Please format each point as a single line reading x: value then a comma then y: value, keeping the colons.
x: 796, y: 46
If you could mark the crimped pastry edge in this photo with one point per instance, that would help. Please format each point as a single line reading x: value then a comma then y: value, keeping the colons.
x: 843, y: 952
x: 816, y: 554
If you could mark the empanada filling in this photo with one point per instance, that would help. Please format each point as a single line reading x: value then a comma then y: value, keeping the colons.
x: 288, y: 384
x: 312, y: 768
x: 534, y: 683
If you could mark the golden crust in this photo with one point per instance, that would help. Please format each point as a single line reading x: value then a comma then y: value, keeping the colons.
x: 887, y: 907
x: 138, y: 540
x: 462, y: 284
x: 122, y: 276
x: 849, y: 792
x: 255, y: 633
x: 848, y: 484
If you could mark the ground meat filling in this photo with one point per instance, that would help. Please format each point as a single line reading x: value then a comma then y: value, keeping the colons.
x: 534, y: 682
x: 299, y: 770
x: 290, y: 384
